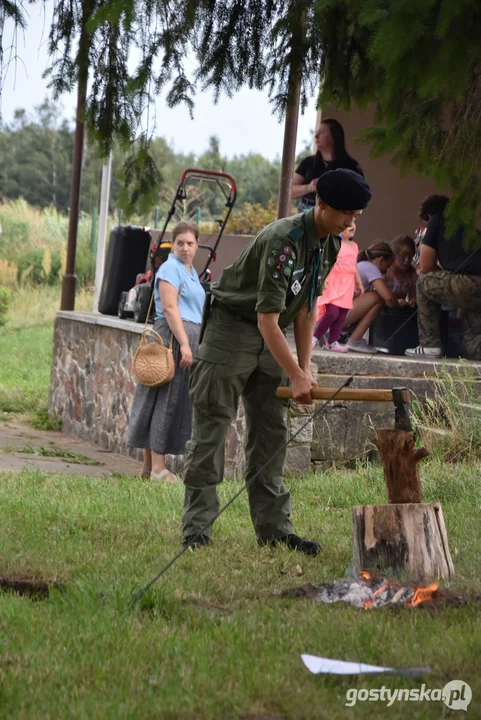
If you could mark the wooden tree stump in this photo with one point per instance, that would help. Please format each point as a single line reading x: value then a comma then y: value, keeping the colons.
x: 408, y: 538
x: 400, y: 462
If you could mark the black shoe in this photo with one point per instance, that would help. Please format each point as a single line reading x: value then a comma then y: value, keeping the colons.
x: 294, y: 542
x: 196, y: 541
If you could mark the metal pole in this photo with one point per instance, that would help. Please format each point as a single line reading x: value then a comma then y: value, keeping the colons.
x: 289, y: 148
x: 103, y: 217
x: 93, y: 230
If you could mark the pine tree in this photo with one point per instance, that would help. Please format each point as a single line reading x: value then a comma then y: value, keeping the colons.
x: 420, y: 64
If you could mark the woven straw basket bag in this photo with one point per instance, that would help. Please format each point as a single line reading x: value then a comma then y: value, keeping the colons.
x: 153, y: 362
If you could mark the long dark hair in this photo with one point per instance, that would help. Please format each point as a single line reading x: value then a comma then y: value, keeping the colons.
x: 376, y: 250
x: 338, y: 139
x: 432, y: 205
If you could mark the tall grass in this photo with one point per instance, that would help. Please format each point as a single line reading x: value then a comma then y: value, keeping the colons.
x: 450, y: 421
x: 36, y: 305
x: 33, y: 244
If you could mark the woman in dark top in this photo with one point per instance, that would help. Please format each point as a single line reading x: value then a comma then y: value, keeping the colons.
x: 331, y: 154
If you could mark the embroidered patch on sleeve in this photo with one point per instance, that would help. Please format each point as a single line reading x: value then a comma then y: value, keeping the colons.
x: 295, y: 234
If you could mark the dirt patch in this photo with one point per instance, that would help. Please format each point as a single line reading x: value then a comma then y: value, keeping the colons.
x: 25, y: 587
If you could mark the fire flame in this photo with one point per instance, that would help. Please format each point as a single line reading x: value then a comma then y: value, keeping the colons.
x: 422, y: 594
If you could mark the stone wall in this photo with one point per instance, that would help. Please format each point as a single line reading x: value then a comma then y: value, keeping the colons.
x: 92, y: 386
x: 92, y: 382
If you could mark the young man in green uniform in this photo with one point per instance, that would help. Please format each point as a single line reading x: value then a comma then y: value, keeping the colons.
x: 244, y: 352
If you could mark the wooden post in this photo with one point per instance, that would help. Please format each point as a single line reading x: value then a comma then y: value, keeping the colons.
x: 400, y: 462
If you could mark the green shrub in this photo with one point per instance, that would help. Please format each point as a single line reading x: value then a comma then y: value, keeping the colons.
x: 44, y: 420
x: 4, y: 303
x: 31, y: 267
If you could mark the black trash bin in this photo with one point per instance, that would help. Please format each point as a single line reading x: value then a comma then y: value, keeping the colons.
x: 126, y: 257
x: 390, y: 320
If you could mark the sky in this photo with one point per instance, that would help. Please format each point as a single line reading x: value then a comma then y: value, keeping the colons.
x: 243, y: 124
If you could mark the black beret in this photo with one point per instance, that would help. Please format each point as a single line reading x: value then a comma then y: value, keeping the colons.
x: 344, y: 190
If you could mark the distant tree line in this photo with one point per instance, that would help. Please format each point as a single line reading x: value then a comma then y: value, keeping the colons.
x: 36, y: 164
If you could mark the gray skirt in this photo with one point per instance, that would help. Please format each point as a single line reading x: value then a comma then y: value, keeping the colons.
x: 161, y: 418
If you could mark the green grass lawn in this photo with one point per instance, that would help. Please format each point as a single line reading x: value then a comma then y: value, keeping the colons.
x: 84, y: 654
x: 25, y: 360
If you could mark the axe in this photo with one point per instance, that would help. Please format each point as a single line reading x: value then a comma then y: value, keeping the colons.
x: 399, y: 396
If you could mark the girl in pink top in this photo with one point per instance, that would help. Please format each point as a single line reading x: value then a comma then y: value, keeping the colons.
x: 339, y: 292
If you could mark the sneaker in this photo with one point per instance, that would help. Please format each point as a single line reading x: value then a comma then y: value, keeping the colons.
x: 360, y: 346
x: 315, y: 343
x: 294, y: 542
x: 422, y: 351
x: 196, y: 541
x: 335, y: 347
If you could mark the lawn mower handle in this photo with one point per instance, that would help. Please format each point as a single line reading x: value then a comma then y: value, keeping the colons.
x: 209, y: 173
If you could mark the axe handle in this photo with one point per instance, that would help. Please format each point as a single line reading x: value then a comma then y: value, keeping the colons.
x: 366, y: 395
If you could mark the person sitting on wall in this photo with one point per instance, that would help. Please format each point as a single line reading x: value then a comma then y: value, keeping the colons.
x: 401, y: 277
x: 449, y: 276
x: 331, y: 154
x: 372, y: 264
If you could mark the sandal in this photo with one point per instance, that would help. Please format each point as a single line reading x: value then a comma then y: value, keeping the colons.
x: 165, y: 475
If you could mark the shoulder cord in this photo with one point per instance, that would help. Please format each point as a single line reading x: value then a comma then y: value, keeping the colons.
x: 150, y: 308
x: 140, y: 593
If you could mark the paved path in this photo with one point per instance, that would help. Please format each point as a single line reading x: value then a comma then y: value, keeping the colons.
x: 16, y: 436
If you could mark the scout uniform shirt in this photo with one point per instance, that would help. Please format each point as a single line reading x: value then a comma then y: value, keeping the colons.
x: 281, y: 269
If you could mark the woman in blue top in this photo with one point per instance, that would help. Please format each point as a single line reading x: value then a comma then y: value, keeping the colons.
x: 160, y: 420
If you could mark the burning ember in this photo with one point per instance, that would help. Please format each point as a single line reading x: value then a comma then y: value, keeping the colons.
x: 373, y: 591
x: 392, y: 593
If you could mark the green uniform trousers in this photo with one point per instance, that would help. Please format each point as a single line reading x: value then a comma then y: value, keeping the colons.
x: 435, y: 289
x: 233, y: 361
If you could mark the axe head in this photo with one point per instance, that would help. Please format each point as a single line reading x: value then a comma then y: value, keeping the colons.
x: 402, y: 418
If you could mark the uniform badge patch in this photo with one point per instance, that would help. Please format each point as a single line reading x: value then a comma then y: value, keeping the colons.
x: 277, y: 244
x: 282, y: 258
x: 286, y: 249
x: 287, y: 271
x: 293, y: 256
x: 296, y: 287
x: 270, y: 261
x: 275, y: 275
x: 290, y: 262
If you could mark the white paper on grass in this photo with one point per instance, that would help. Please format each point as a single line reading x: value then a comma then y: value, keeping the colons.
x: 339, y: 667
